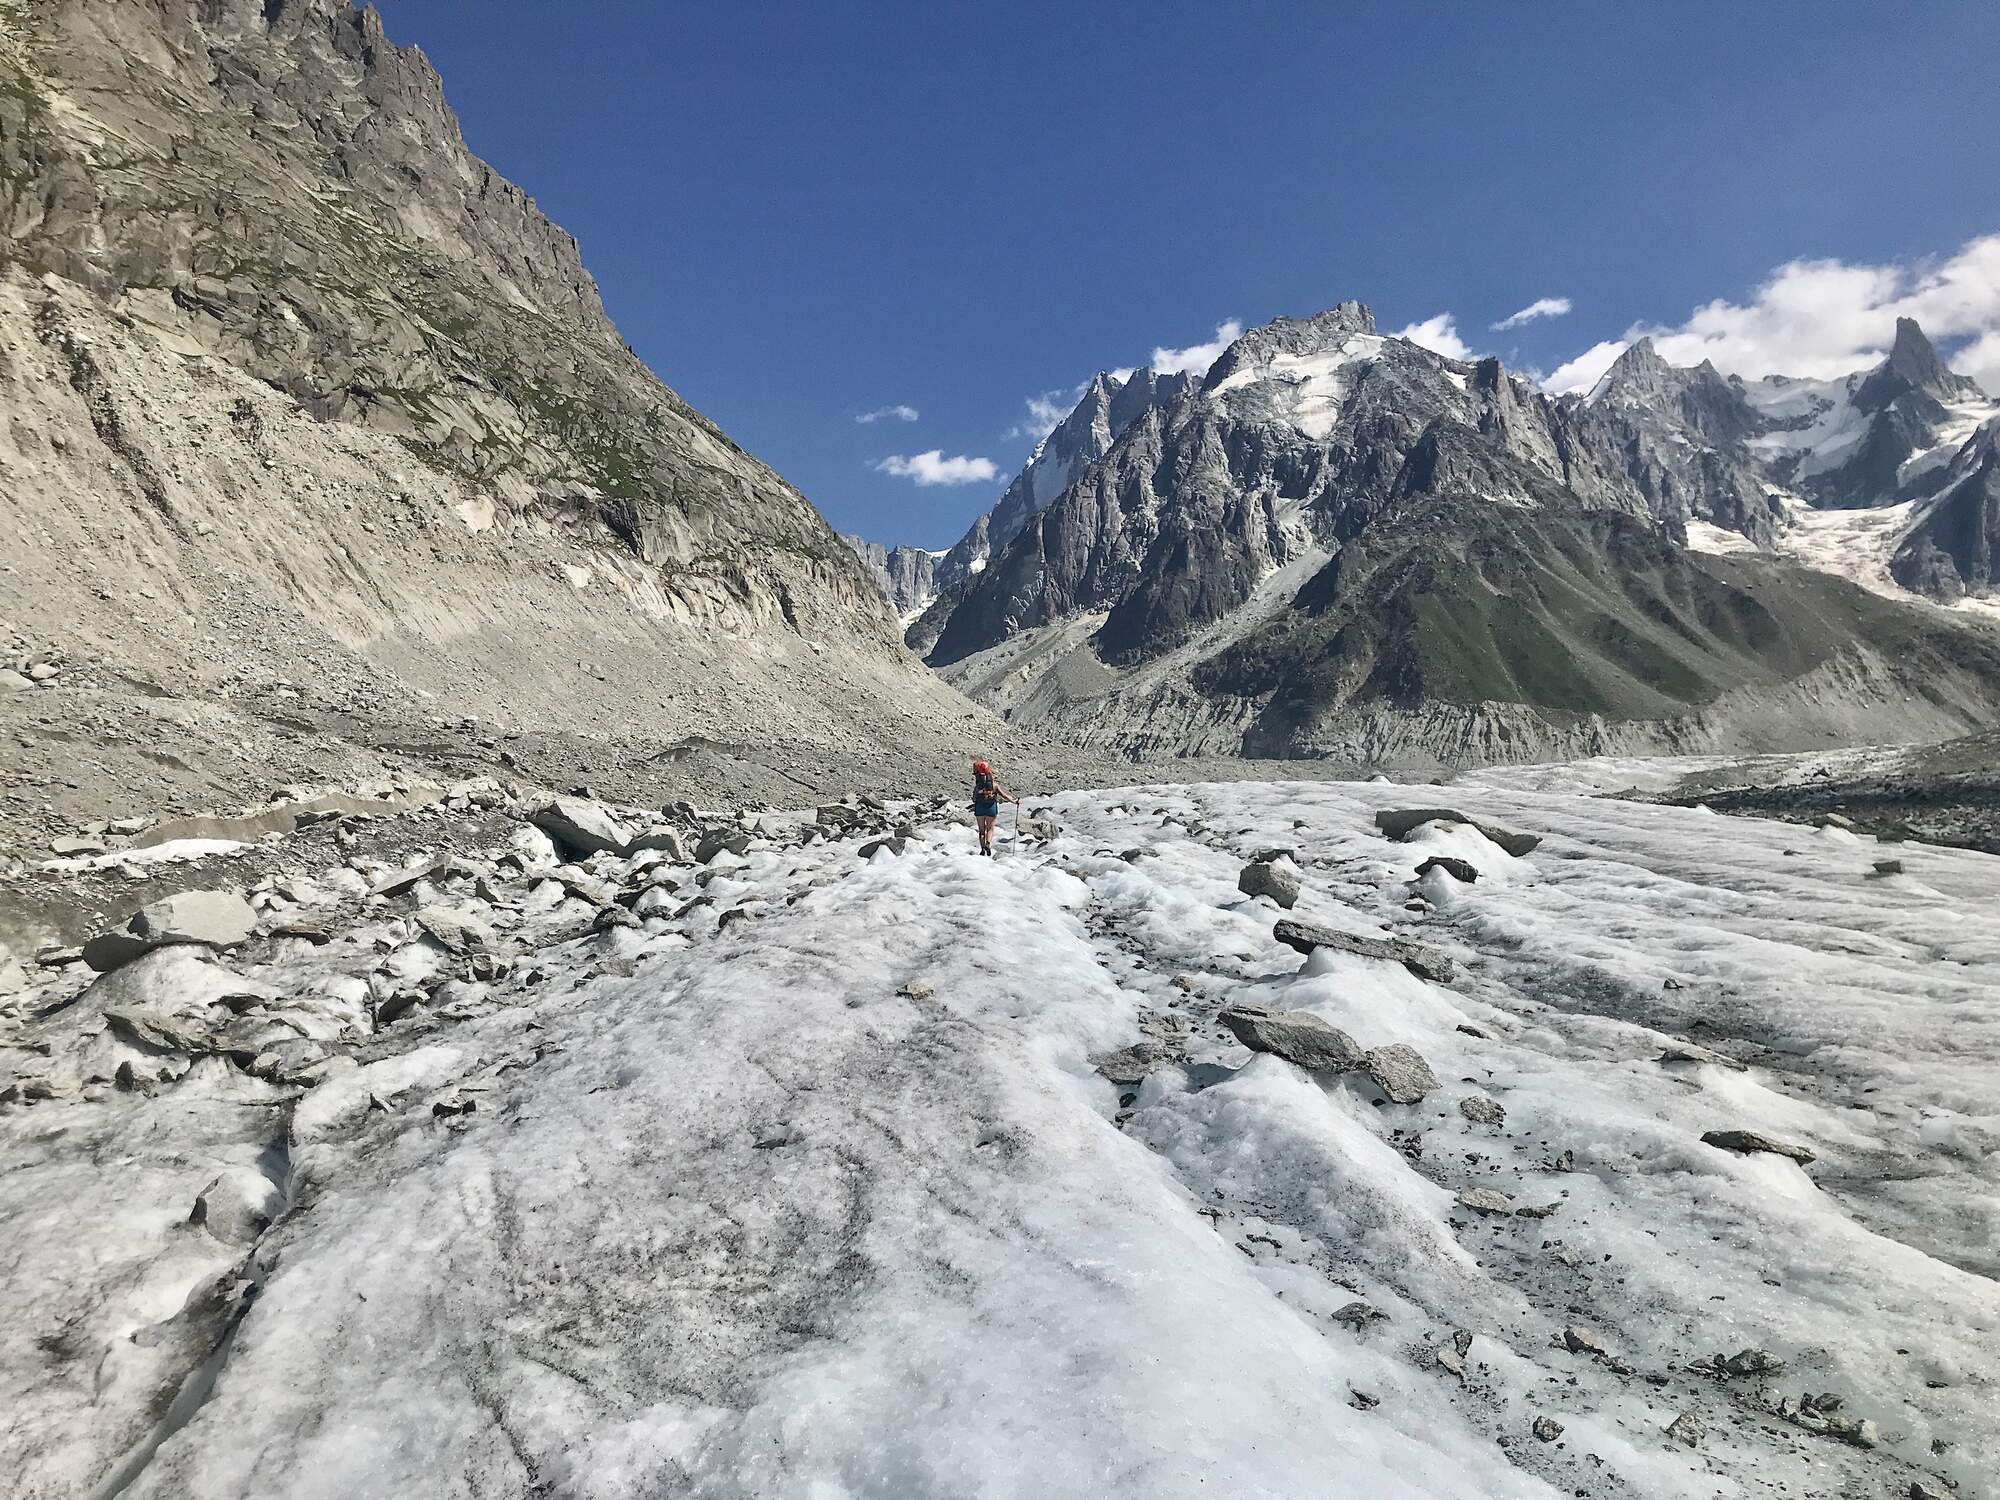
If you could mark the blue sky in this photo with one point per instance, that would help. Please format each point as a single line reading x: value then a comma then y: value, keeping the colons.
x: 803, y: 213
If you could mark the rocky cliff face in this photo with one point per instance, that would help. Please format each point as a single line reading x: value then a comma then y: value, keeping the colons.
x: 905, y: 575
x: 306, y: 402
x: 1337, y: 542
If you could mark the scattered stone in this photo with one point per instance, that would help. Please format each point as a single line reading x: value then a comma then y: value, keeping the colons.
x: 1362, y: 1400
x: 835, y: 815
x: 1486, y: 1201
x: 397, y: 1006
x: 893, y: 844
x: 1305, y: 937
x: 1579, y: 1339
x: 1834, y: 820
x: 1268, y: 878
x: 1457, y: 869
x: 610, y: 917
x: 71, y: 846
x: 454, y: 931
x: 918, y: 989
x: 716, y: 844
x: 213, y: 919
x: 1546, y: 1429
x: 487, y: 967
x: 1482, y: 1111
x: 298, y: 927
x: 41, y: 671
x: 405, y: 881
x: 1130, y: 1065
x: 1749, y: 1362
x: 58, y: 958
x: 1400, y: 1071
x: 1887, y: 867
x: 162, y: 1033
x: 1358, y: 1315
x: 237, y: 1206
x: 1535, y: 1211
x: 1400, y: 825
x: 1691, y: 1052
x: 1687, y: 1428
x: 1749, y: 1141
x: 1922, y: 1490
x: 581, y: 827
x: 1298, y: 1036
x: 13, y: 682
x: 1451, y: 1360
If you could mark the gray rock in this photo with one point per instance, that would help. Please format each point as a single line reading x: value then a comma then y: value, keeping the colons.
x: 1924, y: 1490
x: 1581, y: 1339
x: 1486, y: 1201
x: 458, y: 932
x: 1457, y: 869
x: 1749, y: 1141
x: 1358, y: 1315
x: 1481, y: 1110
x: 1400, y: 825
x: 582, y: 828
x: 1305, y: 937
x: 41, y: 671
x: 893, y: 844
x: 214, y: 919
x: 668, y: 841
x: 1297, y: 1036
x: 1749, y: 1362
x: 13, y: 682
x: 1130, y: 1065
x: 1400, y: 1071
x: 1676, y: 1051
x: 1687, y: 1428
x: 1268, y: 878
x: 1546, y: 1429
x: 835, y: 815
x: 237, y: 1206
x: 721, y: 843
x: 1885, y: 867
x: 69, y: 846
x: 162, y: 1033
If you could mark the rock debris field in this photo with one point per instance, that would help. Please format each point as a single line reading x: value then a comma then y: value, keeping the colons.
x: 1195, y: 1145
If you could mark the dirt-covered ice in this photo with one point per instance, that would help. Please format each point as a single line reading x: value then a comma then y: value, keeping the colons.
x: 804, y: 1174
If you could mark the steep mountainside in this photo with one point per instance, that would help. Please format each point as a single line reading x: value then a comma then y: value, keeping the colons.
x: 1109, y: 405
x: 318, y: 439
x: 1338, y: 542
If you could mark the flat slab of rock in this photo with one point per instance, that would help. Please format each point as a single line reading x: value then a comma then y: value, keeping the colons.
x: 237, y: 1206
x: 1486, y: 1201
x: 1399, y: 1071
x: 213, y: 919
x: 1693, y: 1053
x: 582, y: 828
x: 1399, y: 825
x: 1297, y: 1036
x: 1267, y: 877
x: 455, y: 931
x: 1305, y: 937
x: 1751, y: 1141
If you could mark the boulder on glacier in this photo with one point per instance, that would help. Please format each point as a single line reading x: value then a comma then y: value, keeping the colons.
x: 1297, y: 1036
x: 1267, y: 877
x: 212, y: 919
x: 1306, y: 937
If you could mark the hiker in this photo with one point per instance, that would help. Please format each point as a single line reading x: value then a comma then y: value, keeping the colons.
x: 987, y: 795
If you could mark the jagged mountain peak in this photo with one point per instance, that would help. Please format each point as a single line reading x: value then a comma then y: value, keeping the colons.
x: 1912, y: 368
x: 1291, y: 338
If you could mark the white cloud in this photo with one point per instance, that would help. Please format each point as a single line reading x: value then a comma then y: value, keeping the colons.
x: 1541, y: 307
x: 934, y: 468
x: 1824, y: 318
x: 1044, y: 411
x: 1439, y: 335
x: 1583, y: 372
x: 1196, y: 358
x: 900, y: 412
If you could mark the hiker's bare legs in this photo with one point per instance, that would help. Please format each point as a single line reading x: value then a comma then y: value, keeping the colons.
x: 985, y: 832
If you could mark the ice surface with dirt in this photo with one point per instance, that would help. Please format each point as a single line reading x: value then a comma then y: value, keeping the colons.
x: 816, y: 1174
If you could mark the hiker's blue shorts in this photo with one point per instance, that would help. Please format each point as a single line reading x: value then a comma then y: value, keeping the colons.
x: 986, y: 809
